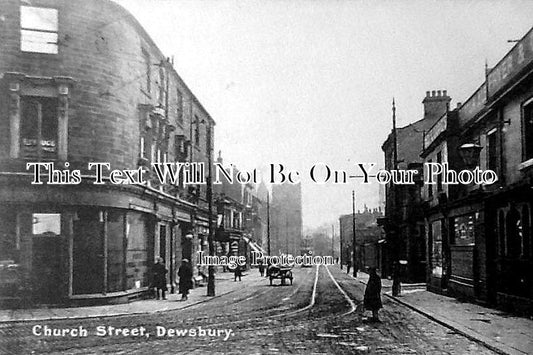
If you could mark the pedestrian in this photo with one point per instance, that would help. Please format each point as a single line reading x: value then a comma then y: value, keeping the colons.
x: 185, y: 279
x: 261, y: 268
x: 160, y: 278
x: 237, y: 273
x: 396, y: 280
x: 348, y: 266
x: 372, y: 299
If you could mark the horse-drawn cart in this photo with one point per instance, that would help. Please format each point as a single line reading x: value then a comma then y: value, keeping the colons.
x: 280, y: 272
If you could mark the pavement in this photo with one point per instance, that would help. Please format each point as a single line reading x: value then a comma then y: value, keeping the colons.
x: 499, y: 331
x: 224, y: 285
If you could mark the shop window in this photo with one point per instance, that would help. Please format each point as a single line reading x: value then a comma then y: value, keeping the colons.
x: 38, y: 129
x: 436, y: 255
x: 46, y: 224
x: 464, y: 230
x: 527, y: 130
x: 38, y: 30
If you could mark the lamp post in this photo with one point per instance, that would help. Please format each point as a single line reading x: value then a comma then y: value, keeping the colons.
x: 469, y: 153
x: 354, y: 260
x: 210, y: 241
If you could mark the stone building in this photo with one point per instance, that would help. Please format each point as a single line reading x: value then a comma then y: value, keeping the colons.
x: 80, y: 82
x: 479, y: 235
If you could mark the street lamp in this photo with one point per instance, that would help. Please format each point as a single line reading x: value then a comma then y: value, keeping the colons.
x: 469, y: 153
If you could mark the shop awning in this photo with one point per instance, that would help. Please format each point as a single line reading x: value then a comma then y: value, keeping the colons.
x: 255, y: 247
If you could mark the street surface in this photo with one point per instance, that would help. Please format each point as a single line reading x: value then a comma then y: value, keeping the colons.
x: 317, y: 315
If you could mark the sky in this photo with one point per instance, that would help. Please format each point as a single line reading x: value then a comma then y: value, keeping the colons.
x: 305, y: 82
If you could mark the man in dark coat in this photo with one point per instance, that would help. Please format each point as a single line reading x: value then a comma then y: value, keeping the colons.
x: 160, y: 279
x: 372, y: 300
x: 185, y: 276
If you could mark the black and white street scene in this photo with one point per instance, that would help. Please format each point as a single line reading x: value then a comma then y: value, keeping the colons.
x: 266, y: 177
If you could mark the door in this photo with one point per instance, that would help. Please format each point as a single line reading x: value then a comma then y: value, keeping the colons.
x: 46, y: 257
x: 88, y: 253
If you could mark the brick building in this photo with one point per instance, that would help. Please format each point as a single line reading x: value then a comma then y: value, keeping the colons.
x: 479, y: 236
x: 80, y: 82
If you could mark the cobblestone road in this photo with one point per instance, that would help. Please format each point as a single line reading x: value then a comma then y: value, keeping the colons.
x: 311, y: 317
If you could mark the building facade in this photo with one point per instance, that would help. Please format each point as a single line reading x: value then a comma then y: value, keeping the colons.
x: 83, y: 82
x: 368, y: 238
x: 403, y: 222
x: 479, y: 235
x: 286, y: 219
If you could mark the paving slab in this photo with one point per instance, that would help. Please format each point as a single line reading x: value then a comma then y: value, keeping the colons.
x: 500, y: 331
x: 224, y: 285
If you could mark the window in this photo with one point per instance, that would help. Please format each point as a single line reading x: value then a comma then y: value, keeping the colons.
x: 436, y: 255
x: 148, y: 72
x: 464, y: 230
x: 179, y: 105
x: 46, y: 224
x: 197, y: 131
x: 492, y: 151
x: 38, y: 128
x: 430, y: 186
x: 161, y: 87
x: 527, y: 133
x: 38, y: 30
x: 208, y: 138
x: 439, y: 177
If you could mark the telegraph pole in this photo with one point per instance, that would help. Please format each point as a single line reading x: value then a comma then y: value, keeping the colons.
x: 268, y: 222
x: 332, y: 241
x: 354, y: 260
x: 211, y: 268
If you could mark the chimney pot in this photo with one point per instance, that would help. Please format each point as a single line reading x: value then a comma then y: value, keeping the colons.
x: 433, y: 93
x: 459, y: 104
x: 427, y: 93
x: 438, y: 93
x: 444, y: 93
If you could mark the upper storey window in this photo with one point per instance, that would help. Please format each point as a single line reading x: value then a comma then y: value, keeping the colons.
x: 38, y: 29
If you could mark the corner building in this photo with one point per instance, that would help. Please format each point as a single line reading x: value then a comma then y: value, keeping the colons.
x: 80, y: 82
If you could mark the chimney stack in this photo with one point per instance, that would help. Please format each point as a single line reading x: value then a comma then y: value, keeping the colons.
x: 436, y: 105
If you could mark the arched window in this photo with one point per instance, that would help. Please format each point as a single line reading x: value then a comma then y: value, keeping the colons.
x: 501, y: 233
x: 514, y: 242
x: 526, y: 232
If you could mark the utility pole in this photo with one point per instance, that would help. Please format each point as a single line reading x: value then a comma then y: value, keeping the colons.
x: 341, y: 258
x: 211, y: 268
x: 354, y: 251
x: 268, y: 222
x: 332, y: 241
x: 287, y: 234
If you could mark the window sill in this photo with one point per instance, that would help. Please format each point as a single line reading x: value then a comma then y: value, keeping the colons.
x: 525, y: 165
